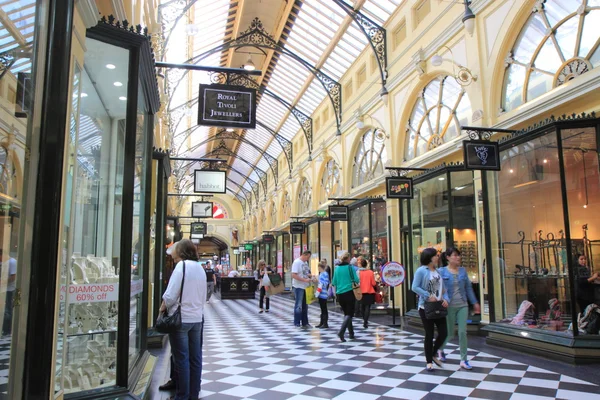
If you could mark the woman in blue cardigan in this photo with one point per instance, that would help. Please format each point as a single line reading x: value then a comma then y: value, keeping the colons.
x: 461, y: 294
x: 429, y: 285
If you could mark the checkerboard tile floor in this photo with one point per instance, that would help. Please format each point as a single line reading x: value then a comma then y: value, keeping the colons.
x: 263, y: 357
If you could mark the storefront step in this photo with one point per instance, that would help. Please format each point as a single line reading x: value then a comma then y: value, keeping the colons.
x: 579, y: 350
x: 413, y: 319
x: 156, y: 340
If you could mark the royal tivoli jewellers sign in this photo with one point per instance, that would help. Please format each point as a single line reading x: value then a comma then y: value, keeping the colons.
x: 227, y: 106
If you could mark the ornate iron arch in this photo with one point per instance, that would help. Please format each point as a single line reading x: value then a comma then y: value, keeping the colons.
x: 256, y: 36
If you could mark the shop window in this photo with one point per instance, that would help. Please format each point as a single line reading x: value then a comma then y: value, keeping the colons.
x: 360, y: 235
x: 330, y: 182
x: 556, y: 45
x: 348, y: 90
x: 313, y: 246
x: 7, y: 174
x: 437, y: 116
x: 361, y: 76
x: 369, y: 157
x: 399, y: 34
x: 304, y: 197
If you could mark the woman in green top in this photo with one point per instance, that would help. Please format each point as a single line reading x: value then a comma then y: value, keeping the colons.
x: 344, y: 276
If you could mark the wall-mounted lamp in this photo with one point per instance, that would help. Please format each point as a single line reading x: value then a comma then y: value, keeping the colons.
x: 360, y: 124
x: 384, y: 96
x: 468, y: 19
x: 464, y: 76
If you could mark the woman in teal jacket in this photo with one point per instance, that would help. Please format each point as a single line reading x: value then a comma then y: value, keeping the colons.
x: 343, y: 277
x: 461, y: 294
x: 429, y: 285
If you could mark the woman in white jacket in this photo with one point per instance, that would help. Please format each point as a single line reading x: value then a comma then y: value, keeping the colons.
x: 186, y: 342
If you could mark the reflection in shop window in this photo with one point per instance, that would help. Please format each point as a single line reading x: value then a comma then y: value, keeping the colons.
x: 440, y: 111
x: 557, y: 44
x: 330, y: 182
x: 369, y: 157
x: 7, y: 173
x: 304, y: 197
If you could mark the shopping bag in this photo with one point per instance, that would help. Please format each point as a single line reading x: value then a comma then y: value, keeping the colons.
x: 265, y: 280
x: 310, y: 294
x: 274, y: 289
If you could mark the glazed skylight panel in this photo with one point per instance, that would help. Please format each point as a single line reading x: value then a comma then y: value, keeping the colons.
x: 270, y: 110
x: 345, y: 53
x: 211, y: 22
x: 287, y: 79
x: 257, y: 138
x: 289, y: 128
x: 380, y: 10
x: 313, y: 96
x: 248, y: 153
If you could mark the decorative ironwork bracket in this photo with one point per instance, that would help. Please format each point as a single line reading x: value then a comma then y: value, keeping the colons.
x: 7, y: 59
x: 375, y: 34
x: 256, y: 36
x: 169, y: 14
x: 480, y: 133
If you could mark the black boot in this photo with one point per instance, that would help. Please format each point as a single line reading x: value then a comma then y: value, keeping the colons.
x: 345, y: 323
x: 366, y: 315
x: 320, y: 323
x: 324, y: 326
x: 350, y: 329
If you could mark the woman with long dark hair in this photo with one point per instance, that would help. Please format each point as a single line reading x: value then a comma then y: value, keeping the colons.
x: 344, y: 276
x: 186, y: 342
x: 429, y: 285
x: 461, y: 293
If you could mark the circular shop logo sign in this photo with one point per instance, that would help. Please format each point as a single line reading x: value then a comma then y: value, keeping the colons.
x: 393, y: 274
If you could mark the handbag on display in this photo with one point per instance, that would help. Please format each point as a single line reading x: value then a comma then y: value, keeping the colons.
x: 435, y: 310
x: 355, y: 285
x: 166, y: 323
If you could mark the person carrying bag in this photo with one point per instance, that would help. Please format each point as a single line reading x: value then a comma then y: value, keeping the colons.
x: 344, y: 280
x: 433, y: 304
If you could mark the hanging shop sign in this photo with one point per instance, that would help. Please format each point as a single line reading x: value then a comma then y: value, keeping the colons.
x: 268, y: 239
x: 322, y: 213
x: 227, y: 106
x: 297, y: 228
x: 248, y: 246
x: 481, y: 155
x: 338, y: 213
x: 399, y: 188
x: 202, y: 209
x: 209, y: 181
x: 236, y: 251
x: 198, y: 230
x: 24, y: 92
x: 393, y: 274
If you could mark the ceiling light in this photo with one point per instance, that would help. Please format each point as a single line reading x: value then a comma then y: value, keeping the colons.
x: 545, y: 161
x: 441, y: 178
x: 249, y: 66
x: 110, y: 66
x: 511, y: 170
x: 118, y: 84
x: 123, y: 98
x: 469, y: 18
x: 84, y: 94
x: 192, y: 29
x: 230, y: 130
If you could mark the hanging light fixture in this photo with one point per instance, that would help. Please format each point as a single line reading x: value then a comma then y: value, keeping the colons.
x: 384, y: 96
x: 249, y: 65
x: 468, y: 19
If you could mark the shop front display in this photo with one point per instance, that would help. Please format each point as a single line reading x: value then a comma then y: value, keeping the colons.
x: 105, y: 254
x: 544, y: 207
x: 442, y: 214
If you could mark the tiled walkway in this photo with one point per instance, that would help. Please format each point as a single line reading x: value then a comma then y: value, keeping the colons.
x: 263, y: 356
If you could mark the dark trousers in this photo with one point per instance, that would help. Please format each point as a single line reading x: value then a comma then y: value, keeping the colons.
x: 263, y: 294
x: 431, y: 348
x: 324, y: 311
x: 8, y: 312
x: 366, y: 312
x: 347, y: 301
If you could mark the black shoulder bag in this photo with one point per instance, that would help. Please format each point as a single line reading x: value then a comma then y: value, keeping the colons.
x: 166, y: 323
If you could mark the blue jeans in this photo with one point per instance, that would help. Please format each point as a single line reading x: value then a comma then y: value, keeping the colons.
x: 300, y: 307
x: 186, y: 347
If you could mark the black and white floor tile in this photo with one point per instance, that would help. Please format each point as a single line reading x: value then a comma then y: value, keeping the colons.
x: 264, y: 357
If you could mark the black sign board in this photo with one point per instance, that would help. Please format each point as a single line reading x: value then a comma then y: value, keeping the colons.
x: 228, y: 106
x: 481, y: 155
x: 297, y: 228
x: 338, y: 213
x: 198, y: 228
x: 399, y: 188
x: 268, y: 239
x: 24, y: 92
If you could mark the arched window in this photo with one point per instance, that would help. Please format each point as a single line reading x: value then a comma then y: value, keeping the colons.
x: 273, y: 215
x: 330, y: 182
x: 219, y: 212
x: 304, y: 197
x: 437, y: 116
x: 558, y: 43
x: 286, y: 208
x: 369, y: 157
